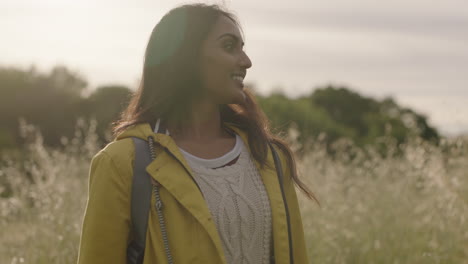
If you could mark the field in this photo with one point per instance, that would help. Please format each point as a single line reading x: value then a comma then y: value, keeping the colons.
x: 411, y: 208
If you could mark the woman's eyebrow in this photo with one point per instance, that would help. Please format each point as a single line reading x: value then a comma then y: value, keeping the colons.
x: 236, y: 38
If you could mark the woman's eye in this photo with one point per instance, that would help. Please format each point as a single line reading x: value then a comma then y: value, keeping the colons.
x: 229, y: 46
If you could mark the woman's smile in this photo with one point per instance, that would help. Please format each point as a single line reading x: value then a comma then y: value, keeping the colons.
x: 238, y: 79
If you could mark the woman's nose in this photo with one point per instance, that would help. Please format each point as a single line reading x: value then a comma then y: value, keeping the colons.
x: 245, y: 61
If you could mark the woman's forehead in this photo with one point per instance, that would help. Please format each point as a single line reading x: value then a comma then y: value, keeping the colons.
x: 223, y: 26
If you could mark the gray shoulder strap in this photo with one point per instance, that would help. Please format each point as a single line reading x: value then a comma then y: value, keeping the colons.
x: 141, y: 192
x: 279, y: 173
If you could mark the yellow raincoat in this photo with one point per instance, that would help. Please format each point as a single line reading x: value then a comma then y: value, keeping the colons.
x: 192, y: 234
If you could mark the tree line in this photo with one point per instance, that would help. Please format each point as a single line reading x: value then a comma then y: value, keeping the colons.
x: 53, y: 102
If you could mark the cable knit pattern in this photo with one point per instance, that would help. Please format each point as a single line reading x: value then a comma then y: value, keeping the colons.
x: 240, y: 207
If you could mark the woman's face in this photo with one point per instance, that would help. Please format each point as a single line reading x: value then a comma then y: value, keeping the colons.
x: 224, y: 63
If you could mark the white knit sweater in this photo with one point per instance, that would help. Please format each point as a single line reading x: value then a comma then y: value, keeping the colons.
x: 238, y: 202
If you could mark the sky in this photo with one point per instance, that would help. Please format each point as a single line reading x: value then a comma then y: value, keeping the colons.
x: 413, y: 50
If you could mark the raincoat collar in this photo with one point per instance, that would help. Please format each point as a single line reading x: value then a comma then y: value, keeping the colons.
x: 172, y: 171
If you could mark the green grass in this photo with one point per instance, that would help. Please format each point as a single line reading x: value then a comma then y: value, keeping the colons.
x: 407, y: 209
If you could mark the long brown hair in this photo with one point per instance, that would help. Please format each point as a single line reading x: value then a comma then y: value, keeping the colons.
x: 170, y: 83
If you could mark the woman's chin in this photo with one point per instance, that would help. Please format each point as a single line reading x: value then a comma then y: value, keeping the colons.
x: 239, y: 97
x: 235, y: 96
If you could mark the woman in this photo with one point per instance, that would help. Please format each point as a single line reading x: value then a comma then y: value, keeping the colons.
x: 222, y: 200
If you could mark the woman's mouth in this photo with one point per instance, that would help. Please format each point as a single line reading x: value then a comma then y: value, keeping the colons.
x: 239, y: 80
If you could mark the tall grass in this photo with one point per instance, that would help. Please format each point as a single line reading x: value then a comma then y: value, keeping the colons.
x: 44, y: 194
x: 411, y: 208
x: 408, y: 208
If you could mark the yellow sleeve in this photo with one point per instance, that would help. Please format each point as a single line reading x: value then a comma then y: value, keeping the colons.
x: 106, y: 223
x: 298, y: 237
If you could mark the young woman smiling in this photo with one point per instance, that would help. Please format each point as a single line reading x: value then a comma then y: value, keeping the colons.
x: 213, y: 168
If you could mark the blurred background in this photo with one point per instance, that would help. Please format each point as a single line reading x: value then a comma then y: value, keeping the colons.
x: 372, y: 95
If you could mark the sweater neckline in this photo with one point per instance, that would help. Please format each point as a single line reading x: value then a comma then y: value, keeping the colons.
x: 218, y: 161
x: 223, y: 171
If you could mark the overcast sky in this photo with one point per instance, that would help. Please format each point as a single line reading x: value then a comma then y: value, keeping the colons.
x: 413, y: 50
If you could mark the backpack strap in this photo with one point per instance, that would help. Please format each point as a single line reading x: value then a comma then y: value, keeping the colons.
x: 279, y: 173
x: 140, y: 201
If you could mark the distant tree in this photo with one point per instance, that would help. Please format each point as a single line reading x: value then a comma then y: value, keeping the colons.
x: 46, y: 100
x: 371, y: 118
x: 340, y: 112
x: 309, y: 119
x: 105, y: 105
x: 62, y: 79
x: 345, y: 107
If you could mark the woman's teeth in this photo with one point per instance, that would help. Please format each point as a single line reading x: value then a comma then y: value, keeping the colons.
x: 238, y: 78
